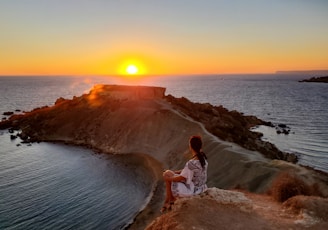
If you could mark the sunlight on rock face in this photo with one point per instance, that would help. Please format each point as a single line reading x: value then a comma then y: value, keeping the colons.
x: 93, y: 97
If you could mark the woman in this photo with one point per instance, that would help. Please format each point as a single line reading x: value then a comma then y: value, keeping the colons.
x: 191, y: 180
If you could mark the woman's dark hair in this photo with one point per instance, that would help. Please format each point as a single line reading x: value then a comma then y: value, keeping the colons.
x: 196, y: 144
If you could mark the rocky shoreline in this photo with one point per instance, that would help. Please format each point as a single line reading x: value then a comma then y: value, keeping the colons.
x: 130, y: 119
x: 231, y: 126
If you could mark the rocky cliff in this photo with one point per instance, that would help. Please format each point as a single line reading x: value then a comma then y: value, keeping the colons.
x: 121, y: 119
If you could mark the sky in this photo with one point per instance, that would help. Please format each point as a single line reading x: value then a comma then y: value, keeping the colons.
x: 103, y: 37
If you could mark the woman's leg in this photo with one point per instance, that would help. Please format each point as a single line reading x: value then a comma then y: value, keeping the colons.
x: 169, y: 198
x: 169, y: 195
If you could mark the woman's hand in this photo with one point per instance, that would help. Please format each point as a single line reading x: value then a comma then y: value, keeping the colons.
x: 168, y: 174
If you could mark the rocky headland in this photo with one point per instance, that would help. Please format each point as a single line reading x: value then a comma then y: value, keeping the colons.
x: 316, y: 79
x: 138, y: 119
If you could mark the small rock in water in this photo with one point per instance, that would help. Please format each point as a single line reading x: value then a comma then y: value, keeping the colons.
x: 8, y: 113
x: 282, y: 126
x: 23, y: 136
x: 282, y: 129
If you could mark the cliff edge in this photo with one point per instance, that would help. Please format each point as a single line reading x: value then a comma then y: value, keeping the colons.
x: 225, y: 210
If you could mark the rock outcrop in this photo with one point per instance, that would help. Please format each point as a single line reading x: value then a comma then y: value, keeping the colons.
x: 222, y: 209
x: 316, y: 79
x: 8, y: 113
x: 119, y: 92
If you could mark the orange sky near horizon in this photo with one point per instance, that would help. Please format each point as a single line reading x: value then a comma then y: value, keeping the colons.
x: 201, y: 37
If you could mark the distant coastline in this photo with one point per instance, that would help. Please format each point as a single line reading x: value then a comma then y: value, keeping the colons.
x: 305, y: 72
x: 316, y: 79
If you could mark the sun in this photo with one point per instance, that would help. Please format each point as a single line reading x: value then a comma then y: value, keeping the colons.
x: 131, y: 69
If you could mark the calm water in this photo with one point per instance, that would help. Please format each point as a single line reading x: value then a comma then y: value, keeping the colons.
x: 52, y: 186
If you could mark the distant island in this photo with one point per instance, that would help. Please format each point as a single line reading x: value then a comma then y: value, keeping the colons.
x: 316, y: 79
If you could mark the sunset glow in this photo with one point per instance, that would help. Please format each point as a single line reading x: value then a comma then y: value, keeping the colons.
x: 203, y: 37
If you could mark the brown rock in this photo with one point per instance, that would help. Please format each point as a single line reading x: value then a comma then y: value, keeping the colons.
x: 8, y: 113
x: 221, y: 209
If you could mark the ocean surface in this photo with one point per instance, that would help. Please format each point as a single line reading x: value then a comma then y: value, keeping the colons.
x: 55, y: 186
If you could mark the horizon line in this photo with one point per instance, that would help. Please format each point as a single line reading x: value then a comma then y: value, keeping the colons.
x: 172, y: 74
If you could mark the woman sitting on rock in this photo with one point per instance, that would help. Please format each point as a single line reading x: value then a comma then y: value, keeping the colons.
x: 191, y: 180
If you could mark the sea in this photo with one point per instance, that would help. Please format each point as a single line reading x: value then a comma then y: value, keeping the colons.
x: 57, y: 186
